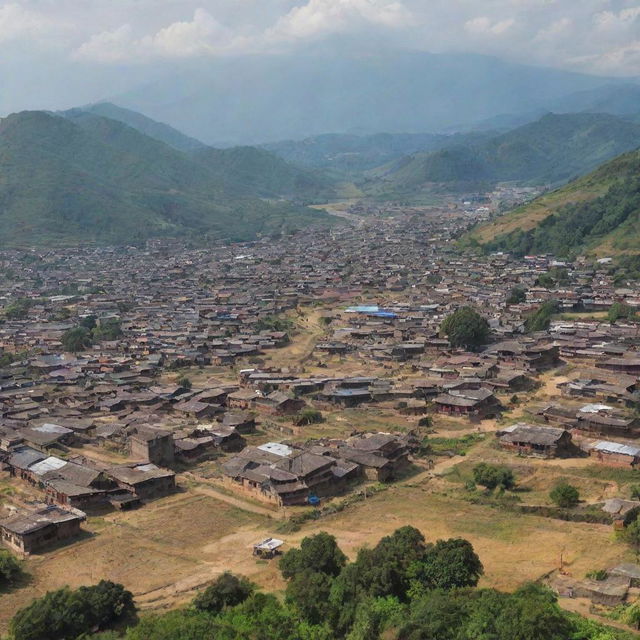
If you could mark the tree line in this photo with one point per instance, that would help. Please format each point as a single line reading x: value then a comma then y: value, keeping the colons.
x: 403, y: 588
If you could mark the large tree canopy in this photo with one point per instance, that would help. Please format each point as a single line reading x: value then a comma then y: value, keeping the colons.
x: 466, y: 328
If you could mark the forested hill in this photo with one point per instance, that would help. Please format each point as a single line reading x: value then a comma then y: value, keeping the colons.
x: 254, y: 171
x: 243, y: 171
x: 350, y: 152
x: 152, y: 128
x: 93, y: 179
x: 599, y: 213
x: 551, y: 150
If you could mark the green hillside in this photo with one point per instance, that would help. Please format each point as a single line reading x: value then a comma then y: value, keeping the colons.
x: 551, y: 150
x: 598, y: 214
x: 352, y: 154
x: 152, y: 128
x: 254, y: 171
x: 243, y: 171
x: 93, y: 179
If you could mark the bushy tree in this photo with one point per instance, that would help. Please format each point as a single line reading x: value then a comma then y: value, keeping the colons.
x: 227, y: 591
x: 184, y: 382
x: 175, y: 625
x: 546, y: 280
x: 540, y: 319
x: 107, y: 329
x: 76, y: 339
x: 374, y: 615
x: 308, y: 416
x: 89, y: 322
x: 448, y: 564
x: 620, y: 310
x: 531, y: 613
x: 316, y: 553
x: 66, y: 614
x: 517, y: 295
x: 466, y: 328
x: 10, y: 569
x: 18, y: 310
x: 491, y: 476
x: 565, y: 495
x: 631, y: 535
x: 308, y: 592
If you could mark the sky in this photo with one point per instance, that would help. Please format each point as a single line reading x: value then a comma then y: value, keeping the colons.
x: 60, y: 53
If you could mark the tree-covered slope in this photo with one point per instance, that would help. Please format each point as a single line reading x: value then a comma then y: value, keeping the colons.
x: 152, y: 128
x: 551, y: 150
x: 93, y: 179
x: 242, y: 171
x: 354, y: 153
x: 599, y: 213
x: 254, y: 171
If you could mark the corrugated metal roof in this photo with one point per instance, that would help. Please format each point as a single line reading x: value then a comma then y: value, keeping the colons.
x: 48, y: 464
x: 616, y: 447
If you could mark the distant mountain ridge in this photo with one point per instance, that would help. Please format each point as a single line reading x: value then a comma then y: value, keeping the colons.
x: 86, y: 178
x: 263, y: 99
x: 349, y: 152
x: 551, y: 150
x: 152, y: 128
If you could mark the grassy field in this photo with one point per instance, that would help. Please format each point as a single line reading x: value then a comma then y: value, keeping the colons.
x: 159, y: 552
x: 171, y: 547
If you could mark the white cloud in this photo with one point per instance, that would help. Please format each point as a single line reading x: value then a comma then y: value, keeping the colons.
x: 610, y: 20
x: 554, y: 30
x: 321, y: 17
x: 108, y: 46
x: 18, y: 22
x: 587, y: 35
x: 203, y: 35
x: 483, y: 25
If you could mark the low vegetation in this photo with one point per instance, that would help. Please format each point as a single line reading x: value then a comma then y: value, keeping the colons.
x: 402, y: 589
x: 564, y: 495
x: 67, y: 614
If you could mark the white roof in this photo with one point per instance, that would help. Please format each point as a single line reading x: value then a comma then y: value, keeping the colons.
x: 269, y: 544
x: 276, y: 448
x: 595, y: 408
x: 48, y: 464
x: 146, y: 467
x: 616, y: 447
x: 52, y: 428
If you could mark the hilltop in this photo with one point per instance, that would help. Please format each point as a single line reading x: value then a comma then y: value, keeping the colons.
x: 244, y: 171
x: 551, y: 150
x: 87, y: 178
x: 143, y: 124
x: 598, y: 213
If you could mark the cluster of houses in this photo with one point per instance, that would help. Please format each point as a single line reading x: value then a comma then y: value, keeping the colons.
x: 382, y: 288
x: 296, y: 475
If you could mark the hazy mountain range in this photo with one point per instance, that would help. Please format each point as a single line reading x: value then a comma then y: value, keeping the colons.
x: 270, y: 98
x: 105, y: 173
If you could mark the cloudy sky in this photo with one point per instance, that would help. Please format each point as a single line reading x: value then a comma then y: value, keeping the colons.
x: 56, y: 53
